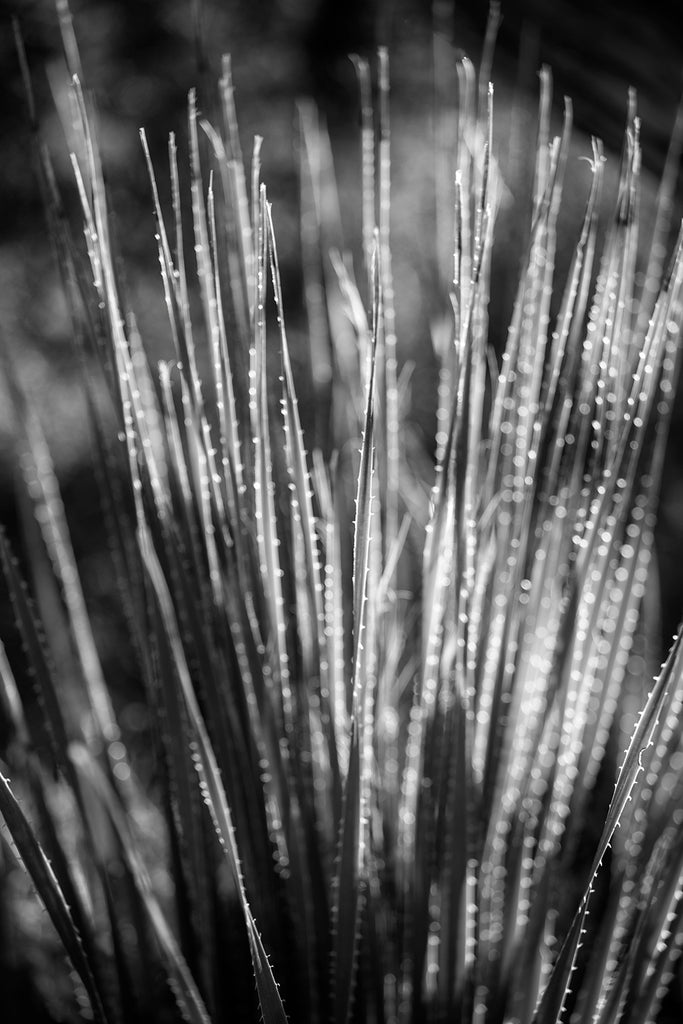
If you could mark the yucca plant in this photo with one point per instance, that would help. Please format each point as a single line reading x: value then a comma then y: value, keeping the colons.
x: 385, y: 699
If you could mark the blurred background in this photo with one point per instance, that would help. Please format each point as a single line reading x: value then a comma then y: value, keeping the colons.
x: 140, y: 59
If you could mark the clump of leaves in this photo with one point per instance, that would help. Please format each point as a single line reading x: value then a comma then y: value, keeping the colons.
x: 380, y: 714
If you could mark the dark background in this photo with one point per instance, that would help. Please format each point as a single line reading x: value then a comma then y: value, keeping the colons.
x: 140, y: 59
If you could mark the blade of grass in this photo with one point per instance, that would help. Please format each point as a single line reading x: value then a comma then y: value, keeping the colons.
x: 212, y: 787
x: 352, y: 849
x: 553, y: 999
x: 38, y: 867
